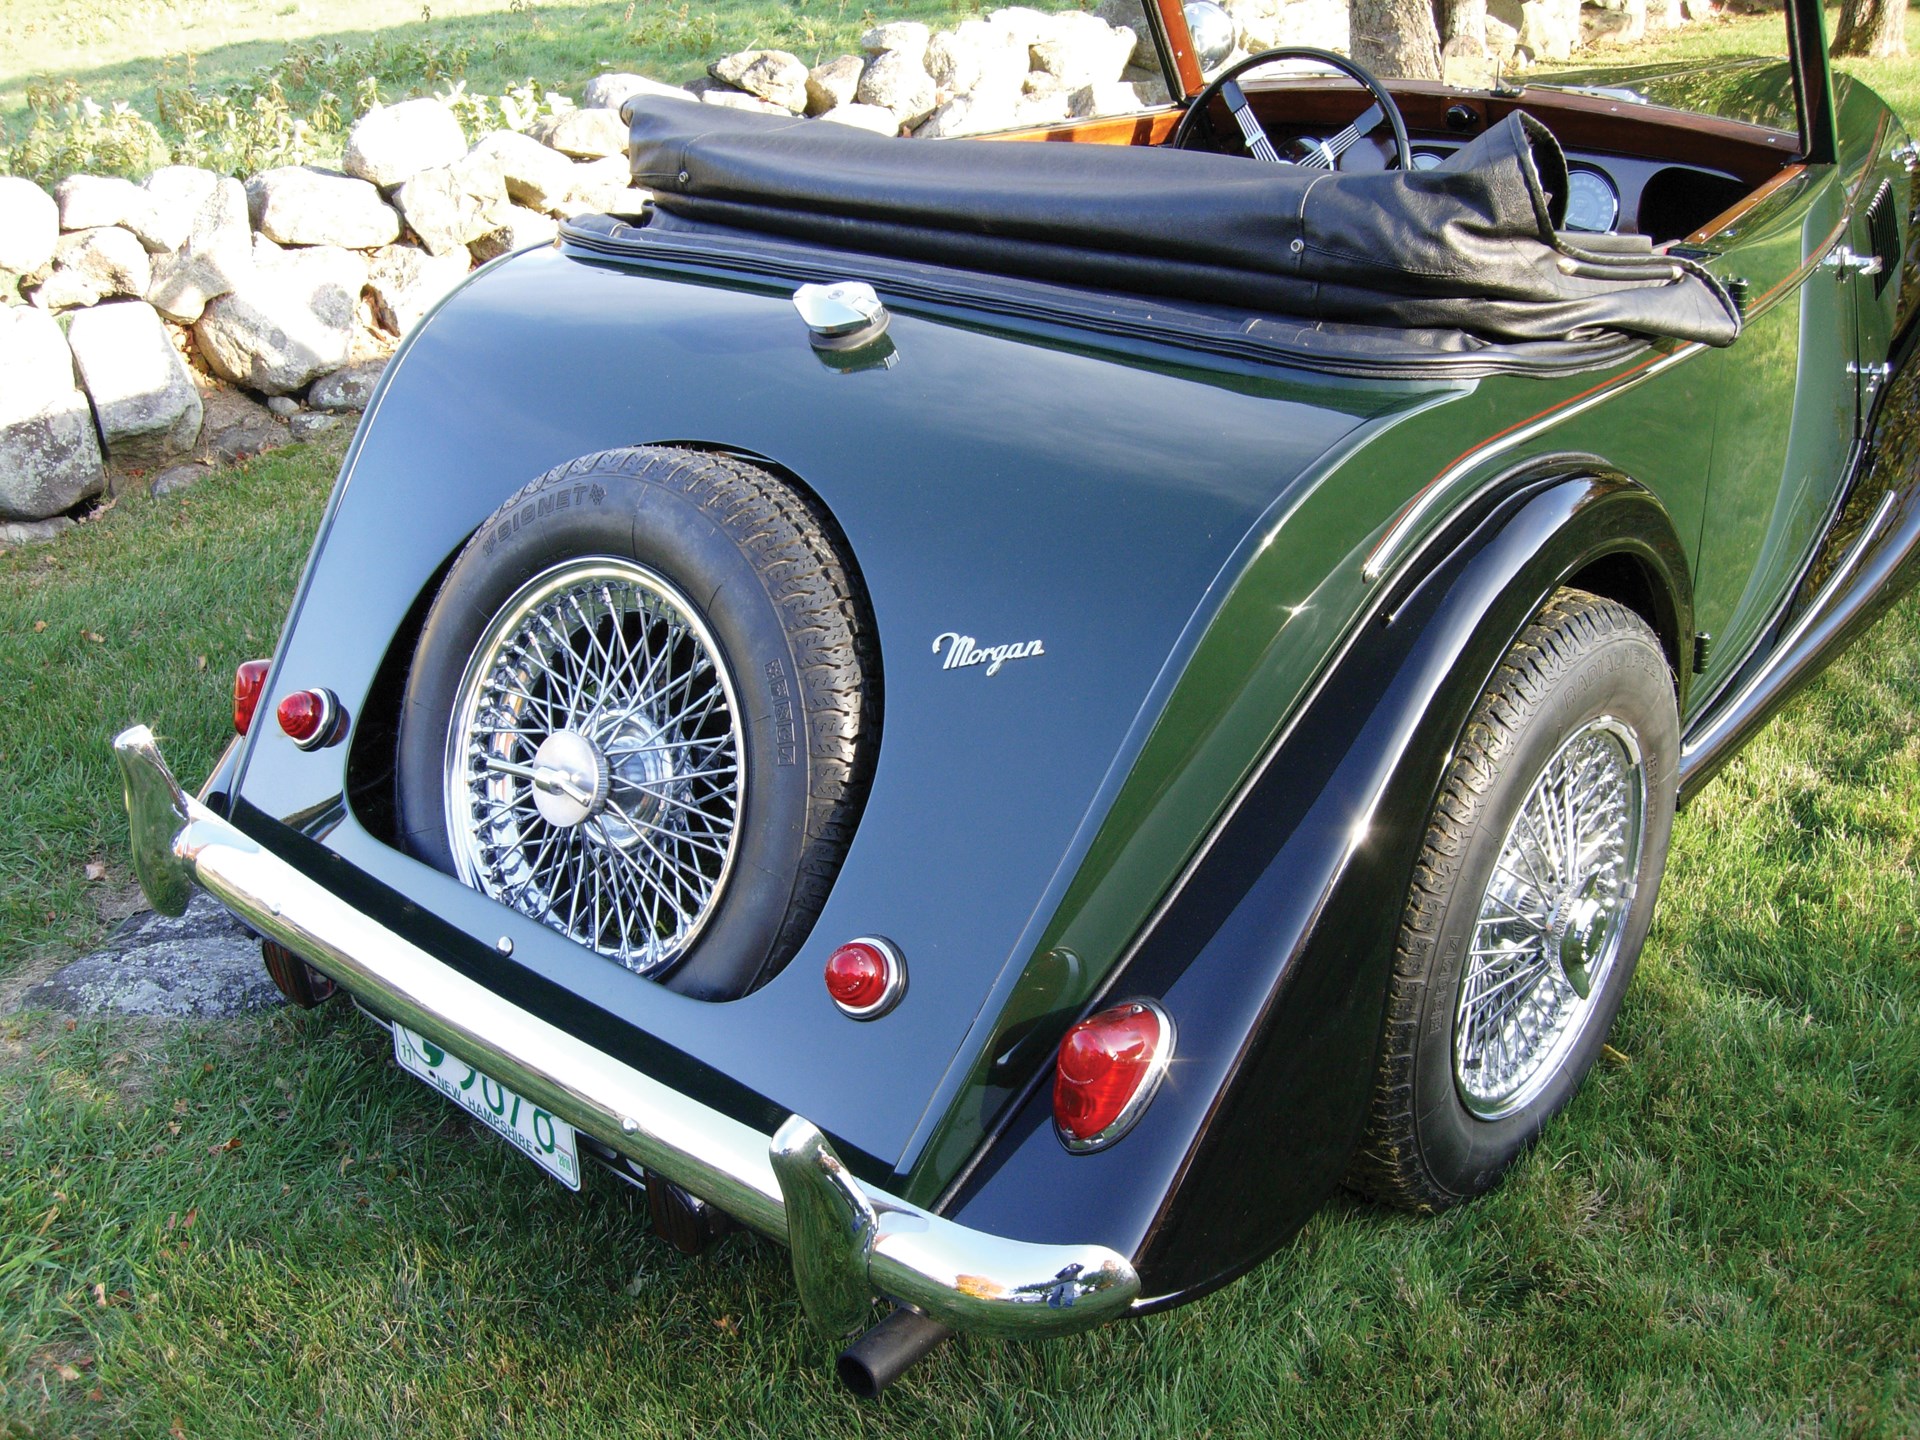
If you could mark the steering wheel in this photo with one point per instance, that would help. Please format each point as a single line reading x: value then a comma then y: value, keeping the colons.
x: 1320, y: 154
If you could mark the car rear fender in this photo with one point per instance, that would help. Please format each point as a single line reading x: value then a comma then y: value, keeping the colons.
x: 1272, y: 953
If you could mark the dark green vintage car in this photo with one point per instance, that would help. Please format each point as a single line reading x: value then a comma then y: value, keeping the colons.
x: 1011, y: 715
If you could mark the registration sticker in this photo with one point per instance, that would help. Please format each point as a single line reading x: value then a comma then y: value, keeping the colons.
x: 538, y: 1134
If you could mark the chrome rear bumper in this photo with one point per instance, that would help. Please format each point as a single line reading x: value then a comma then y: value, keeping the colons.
x: 849, y: 1240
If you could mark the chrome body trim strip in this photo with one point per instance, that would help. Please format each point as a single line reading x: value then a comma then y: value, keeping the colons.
x: 1397, y: 540
x: 1888, y: 544
x: 848, y: 1237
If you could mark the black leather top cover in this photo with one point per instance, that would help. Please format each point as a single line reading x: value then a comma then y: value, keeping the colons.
x: 1470, y: 245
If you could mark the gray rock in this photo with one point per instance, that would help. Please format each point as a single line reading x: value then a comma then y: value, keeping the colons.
x: 396, y: 142
x: 598, y: 181
x: 217, y: 255
x: 1267, y: 24
x: 89, y: 201
x: 1546, y: 31
x: 176, y: 194
x: 902, y: 37
x: 1084, y: 50
x: 406, y: 283
x: 1022, y: 24
x: 348, y: 389
x: 776, y: 76
x: 16, y: 533
x: 49, y: 451
x: 740, y: 100
x: 523, y: 227
x: 864, y: 117
x: 201, y: 966
x: 29, y: 226
x: 1501, y: 40
x: 898, y: 82
x: 832, y: 83
x: 611, y: 91
x: 453, y: 205
x: 534, y: 174
x: 976, y: 54
x: 176, y: 478
x: 94, y: 265
x: 283, y: 405
x: 585, y: 134
x: 298, y: 205
x: 976, y: 114
x: 306, y: 427
x: 287, y: 322
x: 1109, y: 97
x: 1043, y: 107
x: 146, y: 402
x: 242, y: 442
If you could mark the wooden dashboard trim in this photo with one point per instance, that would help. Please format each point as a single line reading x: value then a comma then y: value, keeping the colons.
x: 1148, y: 128
x: 1741, y: 208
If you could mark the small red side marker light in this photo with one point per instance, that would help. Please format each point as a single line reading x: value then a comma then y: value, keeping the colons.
x: 249, y: 683
x: 866, y: 977
x: 1108, y: 1068
x: 308, y: 717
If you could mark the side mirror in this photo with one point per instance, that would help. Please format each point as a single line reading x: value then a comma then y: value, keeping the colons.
x: 1213, y: 33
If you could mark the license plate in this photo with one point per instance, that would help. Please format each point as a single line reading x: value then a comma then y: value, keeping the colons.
x: 542, y: 1137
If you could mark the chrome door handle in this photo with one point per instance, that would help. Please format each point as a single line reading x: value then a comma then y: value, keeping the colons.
x: 1848, y: 263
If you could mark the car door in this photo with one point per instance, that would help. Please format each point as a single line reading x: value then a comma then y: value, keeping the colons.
x: 1788, y: 411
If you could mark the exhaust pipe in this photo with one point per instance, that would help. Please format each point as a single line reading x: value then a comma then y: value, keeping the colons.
x: 888, y: 1351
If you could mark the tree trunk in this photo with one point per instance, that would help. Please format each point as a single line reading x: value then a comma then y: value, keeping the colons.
x: 1396, y: 38
x: 1872, y: 28
x: 1464, y: 21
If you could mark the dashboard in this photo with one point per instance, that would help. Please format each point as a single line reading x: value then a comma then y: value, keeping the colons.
x: 1621, y: 194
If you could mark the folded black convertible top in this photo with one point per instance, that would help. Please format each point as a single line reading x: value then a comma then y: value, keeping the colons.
x: 1470, y: 245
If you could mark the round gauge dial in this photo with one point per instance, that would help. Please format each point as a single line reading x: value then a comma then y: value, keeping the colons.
x: 1592, y: 202
x: 1426, y: 159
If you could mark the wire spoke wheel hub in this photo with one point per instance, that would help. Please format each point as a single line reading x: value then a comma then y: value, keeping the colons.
x: 593, y: 767
x: 1551, y: 919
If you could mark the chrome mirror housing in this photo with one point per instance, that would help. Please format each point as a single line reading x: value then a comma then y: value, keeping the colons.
x: 1213, y: 33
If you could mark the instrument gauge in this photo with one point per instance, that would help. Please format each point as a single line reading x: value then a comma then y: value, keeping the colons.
x: 1593, y: 205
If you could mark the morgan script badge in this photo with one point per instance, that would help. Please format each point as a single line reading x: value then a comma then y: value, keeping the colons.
x: 964, y: 650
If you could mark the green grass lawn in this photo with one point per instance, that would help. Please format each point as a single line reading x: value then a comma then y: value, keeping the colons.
x: 263, y: 1228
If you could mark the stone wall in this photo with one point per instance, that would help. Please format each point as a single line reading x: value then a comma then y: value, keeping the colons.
x: 129, y: 312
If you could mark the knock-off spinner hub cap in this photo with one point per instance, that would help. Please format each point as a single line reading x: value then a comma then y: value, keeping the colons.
x: 1551, y: 919
x: 570, y: 779
x: 593, y: 766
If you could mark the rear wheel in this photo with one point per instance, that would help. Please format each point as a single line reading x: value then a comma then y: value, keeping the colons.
x: 643, y: 712
x: 1532, y: 896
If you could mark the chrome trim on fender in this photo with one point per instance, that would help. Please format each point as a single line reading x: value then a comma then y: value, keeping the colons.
x: 790, y: 1186
x: 1400, y: 532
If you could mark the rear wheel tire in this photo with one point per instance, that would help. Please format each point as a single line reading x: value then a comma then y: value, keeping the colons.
x: 644, y: 710
x: 1533, y: 893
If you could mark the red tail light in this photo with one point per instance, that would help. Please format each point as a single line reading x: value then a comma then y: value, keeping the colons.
x: 866, y: 977
x: 309, y: 717
x: 1108, y: 1068
x: 249, y: 684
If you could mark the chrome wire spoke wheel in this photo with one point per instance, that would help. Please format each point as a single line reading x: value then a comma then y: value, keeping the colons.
x: 1551, y: 919
x: 593, y: 768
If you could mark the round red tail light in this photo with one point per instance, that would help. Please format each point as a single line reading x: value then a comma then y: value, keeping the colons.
x: 866, y: 977
x: 1107, y: 1070
x: 249, y: 684
x: 308, y: 717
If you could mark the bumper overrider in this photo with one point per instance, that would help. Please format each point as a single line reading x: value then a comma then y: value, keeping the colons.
x: 850, y: 1241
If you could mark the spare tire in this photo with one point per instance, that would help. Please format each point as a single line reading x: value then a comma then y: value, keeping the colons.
x: 644, y: 711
